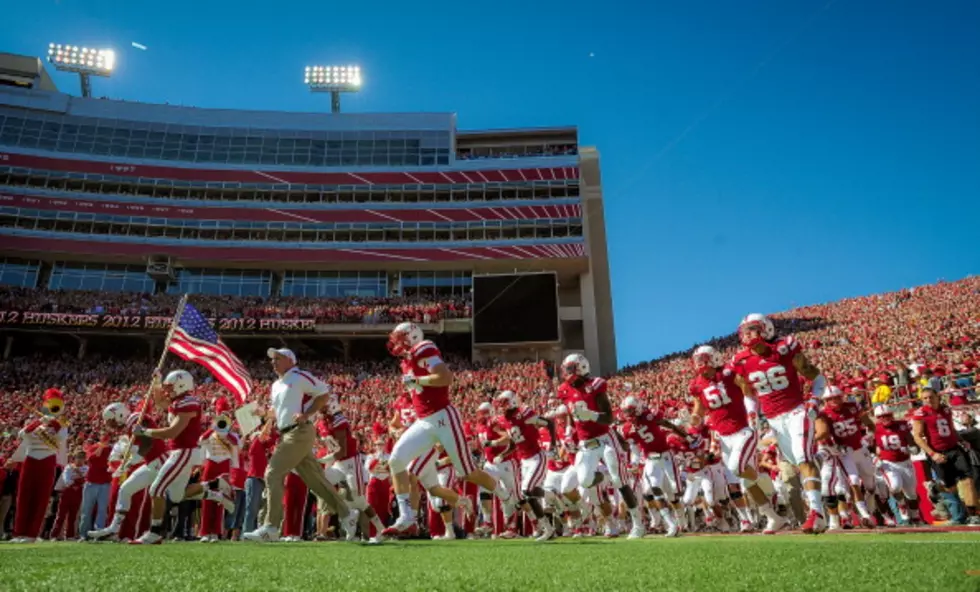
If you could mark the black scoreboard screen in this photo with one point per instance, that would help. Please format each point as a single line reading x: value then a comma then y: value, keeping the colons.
x: 516, y: 308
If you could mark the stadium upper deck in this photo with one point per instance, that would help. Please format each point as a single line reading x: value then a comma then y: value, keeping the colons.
x: 97, y: 186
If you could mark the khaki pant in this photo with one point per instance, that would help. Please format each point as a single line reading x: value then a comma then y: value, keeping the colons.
x: 295, y: 452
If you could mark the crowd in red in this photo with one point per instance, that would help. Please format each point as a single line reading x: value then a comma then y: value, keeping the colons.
x: 351, y: 309
x: 891, y: 337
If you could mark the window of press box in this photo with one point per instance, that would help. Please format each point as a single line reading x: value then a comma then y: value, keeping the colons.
x: 100, y: 277
x: 19, y: 273
x: 219, y: 282
x: 335, y: 284
x: 435, y: 283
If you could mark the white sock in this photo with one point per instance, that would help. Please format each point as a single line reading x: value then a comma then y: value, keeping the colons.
x: 862, y: 509
x: 404, y: 505
x: 814, y: 500
x: 636, y: 516
x: 768, y: 511
x: 742, y: 513
x: 502, y: 494
x: 834, y: 520
x: 668, y: 515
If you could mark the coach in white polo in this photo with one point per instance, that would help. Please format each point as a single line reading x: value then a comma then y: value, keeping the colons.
x: 296, y: 397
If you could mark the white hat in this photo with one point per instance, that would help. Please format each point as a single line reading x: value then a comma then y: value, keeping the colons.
x: 286, y: 353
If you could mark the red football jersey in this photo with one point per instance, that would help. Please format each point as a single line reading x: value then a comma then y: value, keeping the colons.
x: 845, y: 425
x: 191, y: 434
x: 340, y: 422
x: 893, y: 440
x: 158, y: 448
x: 773, y: 377
x: 427, y: 400
x: 724, y: 400
x: 489, y: 431
x: 523, y: 434
x: 939, y: 427
x: 405, y: 410
x: 585, y: 395
x: 647, y: 433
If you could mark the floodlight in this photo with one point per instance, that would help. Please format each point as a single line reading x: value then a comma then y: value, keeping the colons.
x: 334, y: 80
x: 84, y: 61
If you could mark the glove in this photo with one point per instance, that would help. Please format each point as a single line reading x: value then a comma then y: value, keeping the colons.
x: 411, y: 382
x: 582, y: 412
x: 498, y: 459
x: 139, y: 430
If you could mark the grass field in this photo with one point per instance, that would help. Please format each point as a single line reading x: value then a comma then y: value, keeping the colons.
x: 878, y: 562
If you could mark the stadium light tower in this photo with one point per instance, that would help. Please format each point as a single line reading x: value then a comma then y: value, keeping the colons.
x: 84, y: 61
x: 334, y: 80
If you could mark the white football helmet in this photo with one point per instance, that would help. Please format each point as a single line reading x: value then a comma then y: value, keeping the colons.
x: 484, y: 409
x: 181, y: 381
x: 707, y: 356
x: 632, y: 406
x: 832, y: 392
x: 575, y: 365
x: 882, y: 411
x: 115, y: 414
x: 403, y: 338
x: 761, y: 323
x: 333, y: 403
x: 505, y: 400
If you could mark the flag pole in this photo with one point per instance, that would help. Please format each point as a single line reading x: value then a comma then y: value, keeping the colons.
x: 154, y: 380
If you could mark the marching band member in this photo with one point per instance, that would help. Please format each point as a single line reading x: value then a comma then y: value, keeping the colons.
x: 42, y: 449
x: 220, y: 447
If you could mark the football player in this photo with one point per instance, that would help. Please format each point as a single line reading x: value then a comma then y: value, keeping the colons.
x: 769, y: 370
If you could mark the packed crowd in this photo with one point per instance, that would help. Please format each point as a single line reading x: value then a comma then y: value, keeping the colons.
x: 860, y: 344
x: 879, y: 351
x: 351, y: 309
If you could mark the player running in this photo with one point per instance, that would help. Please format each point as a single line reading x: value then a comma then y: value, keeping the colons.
x: 649, y: 430
x: 182, y: 437
x: 893, y: 439
x: 428, y: 378
x: 769, y: 370
x: 585, y: 398
x: 844, y: 422
x: 349, y: 461
x: 719, y: 400
x: 522, y: 426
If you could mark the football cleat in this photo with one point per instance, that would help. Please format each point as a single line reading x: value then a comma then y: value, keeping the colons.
x: 745, y: 526
x: 637, y: 532
x: 149, y: 538
x: 547, y: 532
x: 774, y: 526
x: 815, y: 523
x: 672, y: 531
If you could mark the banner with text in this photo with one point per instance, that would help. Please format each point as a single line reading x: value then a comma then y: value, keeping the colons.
x: 24, y: 319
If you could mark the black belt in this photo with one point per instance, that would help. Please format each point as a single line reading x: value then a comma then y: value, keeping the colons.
x: 290, y: 428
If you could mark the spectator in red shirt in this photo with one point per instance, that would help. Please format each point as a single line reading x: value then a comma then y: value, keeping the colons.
x: 259, y: 448
x: 239, y: 475
x: 95, y: 495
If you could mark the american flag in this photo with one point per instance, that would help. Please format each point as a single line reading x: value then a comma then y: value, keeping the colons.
x: 196, y: 341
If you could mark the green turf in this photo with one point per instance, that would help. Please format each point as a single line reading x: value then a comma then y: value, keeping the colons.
x: 927, y: 562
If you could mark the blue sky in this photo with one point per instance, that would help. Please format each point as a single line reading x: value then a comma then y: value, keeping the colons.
x: 756, y: 155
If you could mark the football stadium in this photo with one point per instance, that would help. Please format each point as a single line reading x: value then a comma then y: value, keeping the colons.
x: 268, y: 349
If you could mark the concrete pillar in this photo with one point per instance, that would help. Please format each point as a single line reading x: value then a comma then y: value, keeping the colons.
x: 590, y: 326
x: 346, y: 344
x: 8, y: 346
x: 82, y: 347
